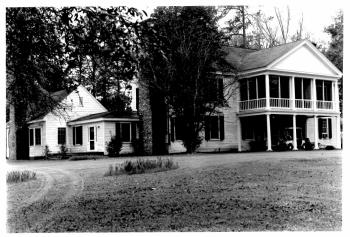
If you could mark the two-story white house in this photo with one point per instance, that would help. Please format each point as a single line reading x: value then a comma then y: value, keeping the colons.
x: 289, y: 91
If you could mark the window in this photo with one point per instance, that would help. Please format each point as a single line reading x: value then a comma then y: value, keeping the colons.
x: 31, y: 137
x: 261, y: 86
x: 302, y: 88
x: 325, y: 128
x: 324, y: 90
x: 177, y: 131
x: 279, y: 86
x: 215, y: 90
x: 61, y: 136
x: 34, y: 136
x: 126, y: 131
x: 244, y: 90
x: 274, y: 91
x: 252, y: 88
x: 214, y: 128
x: 81, y: 101
x: 78, y: 135
x: 247, y: 129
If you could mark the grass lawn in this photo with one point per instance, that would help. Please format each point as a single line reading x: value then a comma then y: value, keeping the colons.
x: 281, y: 194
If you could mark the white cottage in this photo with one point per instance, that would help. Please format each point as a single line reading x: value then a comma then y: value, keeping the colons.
x: 289, y: 91
x: 82, y: 124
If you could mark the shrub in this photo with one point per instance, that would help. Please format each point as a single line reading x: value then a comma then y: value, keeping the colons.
x: 114, y: 146
x: 63, y: 152
x: 46, y: 152
x: 141, y: 166
x: 20, y: 176
x: 83, y: 157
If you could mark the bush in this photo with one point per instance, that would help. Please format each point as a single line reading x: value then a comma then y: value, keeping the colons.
x: 114, y: 146
x: 20, y: 176
x: 141, y: 166
x: 46, y: 152
x: 83, y: 157
x: 63, y: 152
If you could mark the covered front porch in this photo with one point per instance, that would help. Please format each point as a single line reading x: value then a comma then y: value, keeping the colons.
x: 288, y: 92
x: 266, y: 132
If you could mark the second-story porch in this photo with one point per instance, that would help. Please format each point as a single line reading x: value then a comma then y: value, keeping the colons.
x: 288, y: 93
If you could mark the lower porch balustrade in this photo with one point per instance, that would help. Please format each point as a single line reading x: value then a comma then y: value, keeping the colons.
x: 285, y: 103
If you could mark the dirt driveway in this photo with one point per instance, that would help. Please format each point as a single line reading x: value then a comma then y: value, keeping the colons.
x: 60, y: 181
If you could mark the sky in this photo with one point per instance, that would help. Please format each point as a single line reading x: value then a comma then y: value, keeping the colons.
x: 317, y: 14
x: 316, y: 17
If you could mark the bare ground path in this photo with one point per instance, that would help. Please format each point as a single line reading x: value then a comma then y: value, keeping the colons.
x: 60, y: 182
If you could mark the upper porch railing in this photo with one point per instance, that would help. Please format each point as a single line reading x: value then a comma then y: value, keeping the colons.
x: 287, y: 104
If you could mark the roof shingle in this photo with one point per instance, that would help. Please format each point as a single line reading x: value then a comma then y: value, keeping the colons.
x: 248, y: 59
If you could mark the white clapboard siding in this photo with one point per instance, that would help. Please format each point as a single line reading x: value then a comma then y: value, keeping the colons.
x: 109, y: 131
x: 230, y: 122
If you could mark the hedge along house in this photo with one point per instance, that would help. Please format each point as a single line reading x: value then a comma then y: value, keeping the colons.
x: 286, y: 91
x: 289, y: 91
x: 82, y: 124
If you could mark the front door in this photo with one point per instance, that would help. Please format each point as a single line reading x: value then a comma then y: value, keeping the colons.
x: 92, y: 138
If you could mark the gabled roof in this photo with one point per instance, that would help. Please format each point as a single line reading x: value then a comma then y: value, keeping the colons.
x: 247, y: 59
x: 57, y: 96
x: 108, y: 115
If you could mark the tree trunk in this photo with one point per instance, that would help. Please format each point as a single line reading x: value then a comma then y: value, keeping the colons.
x: 12, y: 134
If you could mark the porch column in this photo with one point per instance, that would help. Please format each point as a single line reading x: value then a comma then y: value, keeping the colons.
x: 268, y: 127
x: 314, y: 95
x: 292, y: 92
x: 338, y: 133
x: 336, y: 97
x: 239, y: 135
x: 267, y: 90
x: 295, y: 146
x: 316, y: 132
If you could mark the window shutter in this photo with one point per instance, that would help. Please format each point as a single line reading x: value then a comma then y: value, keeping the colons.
x: 320, y: 128
x: 222, y: 128
x: 330, y: 128
x: 133, y: 131
x: 117, y: 130
x: 73, y: 136
x: 207, y: 127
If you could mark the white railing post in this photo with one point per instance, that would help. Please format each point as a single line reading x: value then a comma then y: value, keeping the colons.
x: 267, y: 90
x: 314, y: 95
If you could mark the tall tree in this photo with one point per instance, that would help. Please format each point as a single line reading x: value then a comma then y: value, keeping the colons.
x: 260, y: 30
x: 104, y: 44
x: 182, y: 45
x: 33, y: 67
x: 334, y: 52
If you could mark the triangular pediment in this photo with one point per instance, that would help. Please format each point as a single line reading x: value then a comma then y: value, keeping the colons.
x: 306, y: 59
